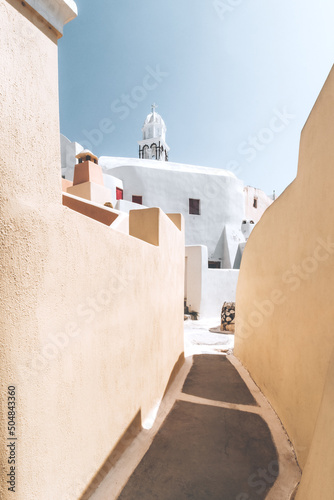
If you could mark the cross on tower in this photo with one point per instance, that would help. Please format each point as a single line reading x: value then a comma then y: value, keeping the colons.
x: 154, y: 106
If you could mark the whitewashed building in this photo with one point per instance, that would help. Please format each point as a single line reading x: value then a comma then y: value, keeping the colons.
x: 214, y: 203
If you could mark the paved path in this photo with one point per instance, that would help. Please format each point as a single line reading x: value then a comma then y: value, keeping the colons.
x: 211, y: 442
x: 204, y: 451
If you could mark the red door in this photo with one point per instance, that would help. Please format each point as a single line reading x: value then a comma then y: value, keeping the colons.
x: 119, y: 194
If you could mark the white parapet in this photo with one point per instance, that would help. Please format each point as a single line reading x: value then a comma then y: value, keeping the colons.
x: 55, y: 12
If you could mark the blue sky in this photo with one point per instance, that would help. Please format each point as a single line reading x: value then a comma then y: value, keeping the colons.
x: 234, y: 79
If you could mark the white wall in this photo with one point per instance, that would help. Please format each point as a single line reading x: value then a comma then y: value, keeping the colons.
x: 69, y: 150
x: 196, y: 263
x: 126, y: 206
x: 263, y: 202
x: 231, y: 239
x: 170, y: 185
x: 220, y: 286
x: 112, y: 183
x: 207, y: 289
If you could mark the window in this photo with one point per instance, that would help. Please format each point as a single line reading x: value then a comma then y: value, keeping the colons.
x: 214, y: 264
x: 137, y: 199
x: 119, y: 194
x: 255, y: 203
x: 194, y: 206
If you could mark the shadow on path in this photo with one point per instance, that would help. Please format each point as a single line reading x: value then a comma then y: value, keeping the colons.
x: 206, y: 451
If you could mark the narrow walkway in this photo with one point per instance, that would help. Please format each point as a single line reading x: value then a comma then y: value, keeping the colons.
x: 215, y: 437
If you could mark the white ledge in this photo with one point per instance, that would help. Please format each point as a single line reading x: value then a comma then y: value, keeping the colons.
x: 55, y: 12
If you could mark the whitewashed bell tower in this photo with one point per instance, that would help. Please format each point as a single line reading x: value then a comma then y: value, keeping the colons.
x: 153, y: 146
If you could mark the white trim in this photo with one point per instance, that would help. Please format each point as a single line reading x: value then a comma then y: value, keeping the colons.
x: 55, y: 12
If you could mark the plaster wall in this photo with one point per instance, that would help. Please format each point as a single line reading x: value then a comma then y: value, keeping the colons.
x: 284, y: 311
x: 196, y: 263
x: 87, y: 171
x: 105, y: 215
x: 66, y: 184
x: 69, y: 151
x: 126, y: 206
x: 318, y: 478
x: 112, y: 183
x: 230, y: 241
x: 220, y: 286
x: 91, y: 191
x: 263, y: 202
x: 171, y: 185
x: 207, y: 289
x: 91, y: 319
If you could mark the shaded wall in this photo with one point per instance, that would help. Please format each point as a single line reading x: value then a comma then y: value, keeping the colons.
x: 285, y: 315
x: 91, y: 319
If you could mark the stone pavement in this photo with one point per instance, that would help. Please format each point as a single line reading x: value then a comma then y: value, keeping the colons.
x: 215, y: 437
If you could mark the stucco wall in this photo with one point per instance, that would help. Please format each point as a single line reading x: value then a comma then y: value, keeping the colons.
x: 220, y: 286
x: 207, y: 289
x: 285, y: 315
x: 91, y: 191
x: 69, y: 151
x: 126, y: 206
x: 196, y: 263
x: 112, y: 183
x: 170, y: 185
x: 263, y: 202
x: 91, y: 319
x: 318, y: 478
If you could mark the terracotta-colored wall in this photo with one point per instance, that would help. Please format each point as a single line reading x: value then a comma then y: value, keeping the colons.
x: 91, y: 319
x: 87, y: 172
x: 98, y: 213
x: 285, y: 314
x: 65, y: 184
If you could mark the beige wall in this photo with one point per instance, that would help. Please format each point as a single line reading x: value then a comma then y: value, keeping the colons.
x: 91, y: 191
x: 93, y: 210
x: 318, y: 477
x: 91, y: 319
x: 285, y: 314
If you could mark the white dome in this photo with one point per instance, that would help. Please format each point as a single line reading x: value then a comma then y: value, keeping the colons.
x: 154, y: 118
x: 153, y: 144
